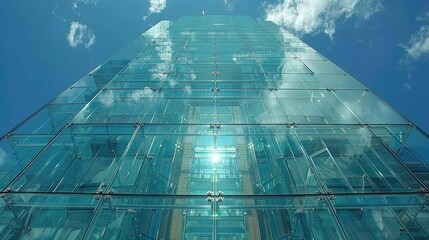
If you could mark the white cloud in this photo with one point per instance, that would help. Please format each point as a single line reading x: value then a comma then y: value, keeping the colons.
x: 311, y: 16
x: 423, y: 18
x: 80, y: 34
x: 76, y: 2
x: 54, y: 12
x: 418, y: 46
x: 366, y: 8
x: 138, y: 95
x: 156, y: 6
x: 229, y: 5
x: 407, y: 86
x: 107, y: 98
x: 188, y: 89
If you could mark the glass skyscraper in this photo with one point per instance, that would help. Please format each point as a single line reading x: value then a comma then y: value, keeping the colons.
x: 215, y: 127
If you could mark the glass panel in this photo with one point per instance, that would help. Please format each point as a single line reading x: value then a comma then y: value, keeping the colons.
x: 261, y: 160
x: 314, y: 107
x: 150, y: 106
x: 410, y: 145
x: 166, y: 160
x: 16, y: 152
x: 81, y: 159
x: 340, y: 81
x: 352, y: 159
x: 284, y: 65
x: 322, y: 67
x: 200, y: 218
x: 296, y: 81
x: 49, y: 120
x: 90, y: 81
x: 41, y: 216
x: 369, y: 108
x: 383, y: 217
x: 309, y: 56
x: 76, y: 95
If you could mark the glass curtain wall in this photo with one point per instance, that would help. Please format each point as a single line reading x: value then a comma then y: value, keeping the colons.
x: 215, y: 127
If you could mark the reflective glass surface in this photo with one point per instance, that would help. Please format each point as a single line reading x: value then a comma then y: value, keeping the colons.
x: 215, y: 127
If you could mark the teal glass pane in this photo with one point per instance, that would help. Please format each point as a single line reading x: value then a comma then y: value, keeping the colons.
x: 313, y: 107
x: 76, y: 95
x: 164, y: 160
x: 295, y: 81
x: 350, y: 159
x: 200, y: 218
x: 91, y: 81
x: 383, y: 217
x: 42, y: 216
x: 410, y: 145
x: 369, y: 108
x: 162, y: 80
x: 50, y: 119
x: 16, y: 152
x: 149, y: 106
x: 260, y: 160
x: 283, y: 65
x: 309, y: 56
x: 340, y: 81
x: 80, y: 159
x: 322, y: 67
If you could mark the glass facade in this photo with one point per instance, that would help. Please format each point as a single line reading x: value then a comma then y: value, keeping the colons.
x: 215, y: 127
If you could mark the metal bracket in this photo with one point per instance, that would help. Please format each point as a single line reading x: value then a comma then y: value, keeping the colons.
x: 213, y: 125
x: 220, y: 197
x: 299, y: 211
x: 98, y: 194
x: 109, y: 194
x: 209, y: 196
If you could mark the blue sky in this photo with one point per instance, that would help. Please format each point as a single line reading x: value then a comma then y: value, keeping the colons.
x: 45, y: 46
